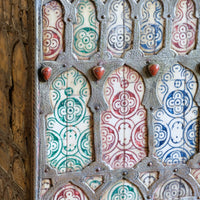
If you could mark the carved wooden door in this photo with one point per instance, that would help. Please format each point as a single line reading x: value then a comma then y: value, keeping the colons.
x: 118, y: 100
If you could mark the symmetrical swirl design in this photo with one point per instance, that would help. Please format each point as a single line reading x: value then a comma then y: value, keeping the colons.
x: 94, y: 182
x: 69, y: 128
x: 152, y: 26
x: 122, y: 190
x: 176, y: 122
x: 70, y: 192
x: 53, y: 28
x: 175, y: 188
x: 123, y: 125
x: 86, y: 31
x: 119, y: 27
x: 184, y: 27
x: 148, y: 178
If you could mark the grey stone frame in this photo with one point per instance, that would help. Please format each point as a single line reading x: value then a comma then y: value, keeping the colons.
x: 135, y: 59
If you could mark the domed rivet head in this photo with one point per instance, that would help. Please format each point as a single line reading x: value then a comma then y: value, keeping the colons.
x: 175, y: 170
x: 149, y: 197
x: 151, y: 108
x: 150, y: 164
x: 103, y: 17
x: 98, y: 72
x: 46, y: 73
x: 97, y: 107
x: 153, y: 69
x: 69, y: 19
x: 98, y: 169
x: 124, y: 173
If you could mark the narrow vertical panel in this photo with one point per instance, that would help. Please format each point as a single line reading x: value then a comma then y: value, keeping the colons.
x: 69, y: 127
x: 70, y: 192
x: 122, y: 190
x: 184, y: 27
x: 45, y: 186
x: 176, y: 122
x: 174, y: 188
x: 152, y: 26
x: 53, y: 30
x: 86, y: 31
x: 120, y: 29
x: 123, y: 125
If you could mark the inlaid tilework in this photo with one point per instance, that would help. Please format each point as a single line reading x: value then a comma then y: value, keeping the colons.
x: 53, y: 29
x: 94, y: 182
x: 196, y: 174
x: 184, y: 27
x: 175, y: 123
x: 69, y: 127
x: 175, y: 188
x: 86, y: 31
x: 122, y: 190
x: 70, y: 192
x: 148, y: 178
x: 123, y: 125
x: 119, y: 28
x: 152, y: 26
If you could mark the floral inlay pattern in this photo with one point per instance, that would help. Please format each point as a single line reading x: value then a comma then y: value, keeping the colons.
x: 176, y: 122
x: 148, y: 178
x: 119, y: 28
x: 184, y: 27
x: 69, y: 128
x: 53, y: 29
x: 86, y: 31
x: 122, y: 190
x: 175, y: 188
x: 123, y: 125
x: 70, y: 192
x: 152, y: 27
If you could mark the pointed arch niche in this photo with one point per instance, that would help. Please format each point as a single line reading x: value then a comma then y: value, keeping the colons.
x: 86, y: 30
x: 123, y: 125
x: 184, y: 30
x: 69, y: 128
x: 53, y: 30
x: 120, y: 27
x: 152, y: 27
x: 176, y: 121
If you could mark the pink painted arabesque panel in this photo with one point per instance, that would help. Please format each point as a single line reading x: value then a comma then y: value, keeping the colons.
x: 123, y: 125
x: 184, y: 27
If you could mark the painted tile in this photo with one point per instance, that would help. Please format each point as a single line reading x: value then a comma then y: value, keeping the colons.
x: 46, y: 184
x: 196, y: 174
x: 174, y: 188
x: 123, y: 125
x: 70, y: 192
x: 122, y: 190
x: 120, y: 28
x: 69, y: 127
x: 175, y: 123
x: 148, y: 178
x: 152, y: 26
x: 53, y: 30
x: 184, y: 27
x: 94, y: 182
x: 86, y: 31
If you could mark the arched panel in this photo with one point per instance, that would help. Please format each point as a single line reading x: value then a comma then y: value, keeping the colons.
x: 53, y: 30
x: 122, y: 190
x: 176, y: 122
x: 69, y: 127
x: 120, y: 27
x: 174, y: 188
x: 70, y: 192
x: 123, y: 125
x: 184, y: 27
x: 86, y: 31
x: 152, y: 27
